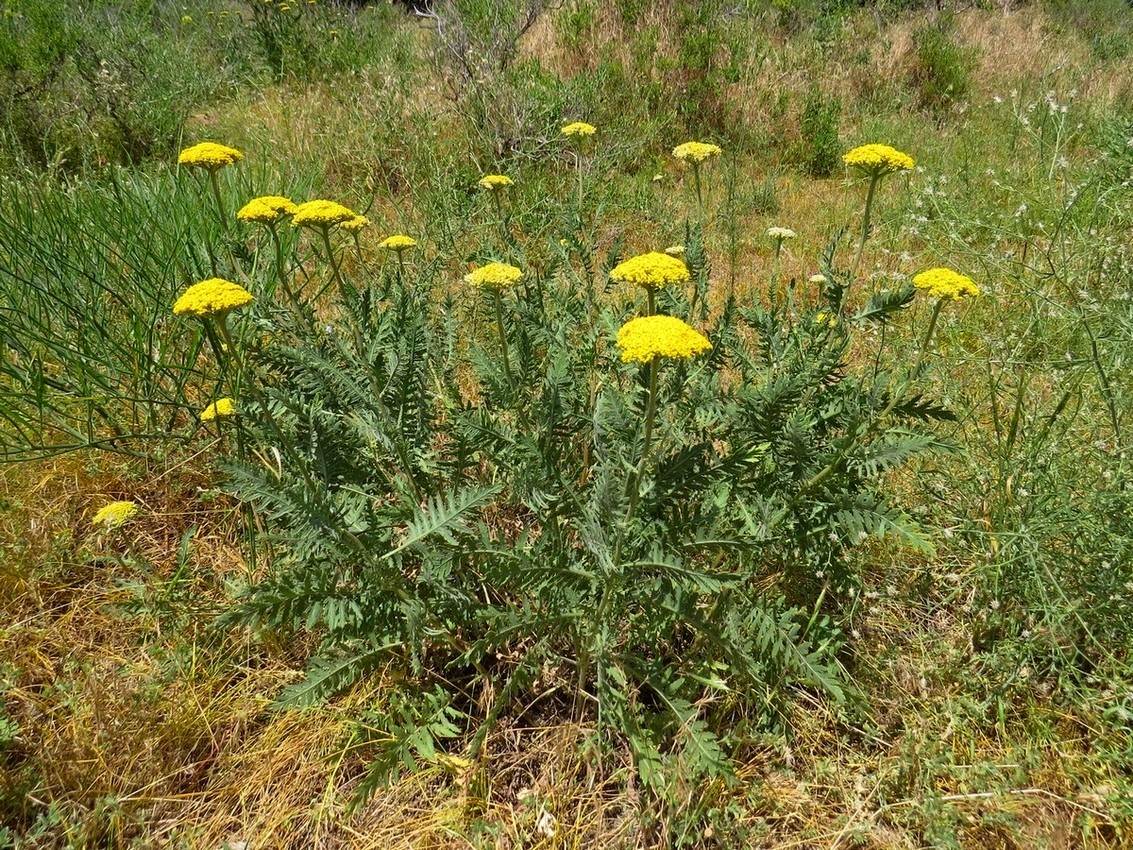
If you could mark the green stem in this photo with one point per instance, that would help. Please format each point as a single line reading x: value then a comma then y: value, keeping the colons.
x: 699, y: 195
x: 503, y: 221
x: 498, y: 302
x: 775, y: 268
x: 325, y: 231
x: 924, y: 346
x: 873, y: 181
x: 633, y: 485
x: 219, y: 200
x: 650, y: 303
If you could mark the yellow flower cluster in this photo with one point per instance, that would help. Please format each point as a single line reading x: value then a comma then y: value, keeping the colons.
x: 114, y: 514
x: 579, y: 128
x: 945, y: 283
x: 675, y: 250
x: 212, y: 297
x: 222, y: 408
x: 492, y: 182
x: 877, y: 160
x: 356, y: 224
x: 209, y: 155
x: 398, y: 243
x: 322, y: 213
x: 696, y: 151
x: 651, y: 270
x: 642, y: 339
x: 494, y: 276
x: 267, y: 209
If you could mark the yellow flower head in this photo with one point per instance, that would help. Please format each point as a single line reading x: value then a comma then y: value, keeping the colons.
x: 781, y: 233
x: 321, y: 213
x: 824, y: 318
x: 579, y: 128
x: 696, y: 152
x: 494, y: 276
x: 209, y: 155
x: 493, y: 182
x: 398, y: 243
x: 642, y: 339
x: 877, y: 160
x: 945, y: 283
x: 356, y: 224
x: 675, y: 250
x: 222, y: 408
x: 652, y: 270
x: 267, y: 209
x: 114, y: 514
x: 212, y: 297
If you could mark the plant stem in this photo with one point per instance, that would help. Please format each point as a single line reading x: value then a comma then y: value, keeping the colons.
x: 699, y: 195
x: 650, y: 303
x: 924, y: 344
x: 633, y: 485
x: 873, y: 181
x: 325, y: 231
x: 498, y: 302
x: 219, y: 200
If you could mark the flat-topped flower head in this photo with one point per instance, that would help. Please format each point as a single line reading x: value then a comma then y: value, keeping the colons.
x: 114, y: 514
x: 222, y: 408
x: 398, y: 242
x: 675, y: 250
x: 213, y: 297
x: 579, y: 128
x: 267, y: 209
x: 652, y: 270
x: 493, y: 276
x: 209, y: 155
x: 356, y: 224
x: 781, y: 233
x: 642, y: 339
x: 495, y: 182
x: 322, y: 214
x: 696, y: 152
x: 818, y: 278
x: 945, y: 283
x: 877, y: 160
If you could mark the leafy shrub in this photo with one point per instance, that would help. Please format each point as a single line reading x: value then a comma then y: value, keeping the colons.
x: 942, y: 69
x: 819, y: 120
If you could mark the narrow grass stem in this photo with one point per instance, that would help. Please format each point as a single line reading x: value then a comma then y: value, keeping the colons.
x: 325, y: 231
x: 219, y: 200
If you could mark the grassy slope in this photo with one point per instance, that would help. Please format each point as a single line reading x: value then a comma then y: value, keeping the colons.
x: 130, y: 720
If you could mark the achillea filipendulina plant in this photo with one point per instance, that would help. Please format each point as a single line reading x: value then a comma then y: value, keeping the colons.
x: 355, y: 225
x: 267, y: 209
x: 398, y: 242
x: 874, y: 161
x: 651, y: 271
x: 209, y: 155
x: 322, y: 214
x: 222, y: 408
x: 878, y: 160
x: 646, y: 337
x: 696, y: 152
x: 493, y: 276
x: 578, y: 129
x: 945, y: 283
x: 114, y: 514
x: 494, y: 182
x: 212, y: 298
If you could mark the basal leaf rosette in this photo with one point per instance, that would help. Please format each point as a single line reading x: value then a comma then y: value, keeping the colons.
x: 493, y: 276
x: 209, y: 155
x: 114, y: 514
x: 652, y: 270
x: 644, y: 338
x: 696, y: 152
x: 322, y: 214
x: 495, y: 182
x: 946, y: 283
x: 877, y: 160
x: 267, y: 209
x: 398, y: 242
x: 212, y: 298
x: 579, y: 129
x: 222, y: 408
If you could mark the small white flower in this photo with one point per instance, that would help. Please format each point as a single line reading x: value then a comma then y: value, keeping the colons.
x: 781, y: 233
